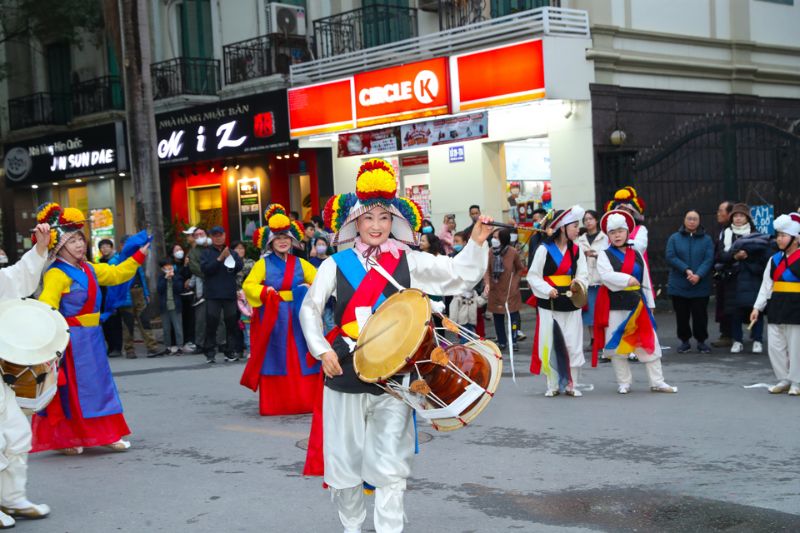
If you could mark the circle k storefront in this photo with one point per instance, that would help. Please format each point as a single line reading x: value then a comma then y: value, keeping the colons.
x: 507, y: 127
x: 223, y: 163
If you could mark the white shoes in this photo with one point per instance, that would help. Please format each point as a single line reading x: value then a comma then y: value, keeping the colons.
x: 119, y: 446
x: 780, y: 387
x: 575, y: 393
x: 758, y: 347
x: 551, y: 393
x: 6, y: 522
x: 737, y: 347
x: 22, y: 509
x: 664, y: 387
x: 794, y: 390
x: 624, y: 388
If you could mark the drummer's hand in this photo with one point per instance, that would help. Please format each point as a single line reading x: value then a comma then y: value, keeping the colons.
x: 633, y: 282
x: 330, y: 364
x: 144, y: 249
x: 480, y: 231
x: 754, y: 315
x: 42, y: 233
x: 553, y: 294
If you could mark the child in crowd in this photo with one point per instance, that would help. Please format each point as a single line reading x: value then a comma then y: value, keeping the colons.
x: 464, y: 309
x: 170, y: 287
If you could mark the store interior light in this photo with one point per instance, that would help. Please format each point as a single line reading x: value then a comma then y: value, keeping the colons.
x: 121, y: 174
x: 225, y: 167
x: 231, y: 180
x: 100, y: 177
x: 78, y: 180
x: 297, y: 154
x: 211, y: 170
x: 279, y: 157
x: 55, y: 184
x: 34, y: 186
x: 237, y: 166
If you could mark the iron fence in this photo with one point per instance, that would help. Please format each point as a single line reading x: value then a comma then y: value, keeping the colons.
x: 185, y: 76
x: 263, y: 56
x: 459, y: 13
x: 39, y: 109
x: 97, y: 95
x: 363, y: 28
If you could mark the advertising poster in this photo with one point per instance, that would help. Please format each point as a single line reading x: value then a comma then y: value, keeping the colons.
x: 249, y: 207
x: 763, y: 217
x: 444, y: 131
x: 369, y: 142
x: 422, y: 195
x: 102, y: 227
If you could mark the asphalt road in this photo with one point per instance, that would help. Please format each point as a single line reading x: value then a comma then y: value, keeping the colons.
x: 714, y: 457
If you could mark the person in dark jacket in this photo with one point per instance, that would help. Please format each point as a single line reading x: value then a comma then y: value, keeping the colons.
x: 220, y: 265
x: 741, y: 263
x: 690, y: 256
x: 170, y: 286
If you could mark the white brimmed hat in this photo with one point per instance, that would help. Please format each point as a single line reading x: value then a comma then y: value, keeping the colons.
x: 31, y: 332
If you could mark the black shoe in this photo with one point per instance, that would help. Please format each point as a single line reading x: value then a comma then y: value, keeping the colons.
x: 210, y: 360
x: 703, y: 347
x: 231, y: 358
x: 115, y: 353
x: 155, y: 353
x: 685, y: 347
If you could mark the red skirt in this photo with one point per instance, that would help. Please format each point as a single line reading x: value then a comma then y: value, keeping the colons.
x: 56, y: 432
x: 292, y: 394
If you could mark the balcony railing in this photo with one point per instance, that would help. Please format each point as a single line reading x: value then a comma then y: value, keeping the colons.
x: 97, y: 95
x: 363, y: 28
x: 185, y: 76
x: 263, y: 56
x: 457, y: 13
x: 39, y: 109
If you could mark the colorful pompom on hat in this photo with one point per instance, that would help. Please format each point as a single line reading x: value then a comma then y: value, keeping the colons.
x: 278, y: 223
x: 64, y: 222
x: 626, y: 196
x: 376, y: 185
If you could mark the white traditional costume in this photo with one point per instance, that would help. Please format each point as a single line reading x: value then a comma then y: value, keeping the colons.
x: 780, y: 296
x: 624, y: 322
x: 558, y: 343
x: 368, y: 436
x: 19, y: 280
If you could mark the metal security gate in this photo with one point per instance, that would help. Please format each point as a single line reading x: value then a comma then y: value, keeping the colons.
x: 752, y: 159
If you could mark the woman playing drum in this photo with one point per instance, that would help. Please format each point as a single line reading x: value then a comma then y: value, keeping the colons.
x: 275, y: 287
x: 369, y: 435
x: 86, y: 410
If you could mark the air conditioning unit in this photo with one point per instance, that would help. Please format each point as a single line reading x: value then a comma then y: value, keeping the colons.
x: 286, y: 19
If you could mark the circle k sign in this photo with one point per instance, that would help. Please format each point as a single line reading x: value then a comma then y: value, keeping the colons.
x: 401, y: 93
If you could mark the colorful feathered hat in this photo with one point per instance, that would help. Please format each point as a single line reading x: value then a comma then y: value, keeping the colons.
x: 626, y: 196
x: 64, y: 223
x: 376, y: 185
x: 278, y: 223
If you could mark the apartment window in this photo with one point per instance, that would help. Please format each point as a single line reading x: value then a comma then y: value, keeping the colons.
x: 507, y: 7
x: 195, y: 23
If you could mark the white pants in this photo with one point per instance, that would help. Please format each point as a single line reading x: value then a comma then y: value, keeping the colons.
x: 367, y: 438
x: 571, y: 325
x: 622, y: 369
x: 784, y: 351
x: 15, y: 443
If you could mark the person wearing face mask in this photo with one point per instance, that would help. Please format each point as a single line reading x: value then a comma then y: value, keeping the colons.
x: 19, y: 281
x: 200, y: 242
x: 559, y: 266
x: 427, y: 227
x: 447, y: 233
x: 502, y: 287
x: 459, y: 241
x: 220, y: 266
x: 369, y: 435
x: 170, y: 285
x: 86, y: 411
x: 180, y: 263
x: 286, y: 380
x: 112, y: 323
x: 3, y: 258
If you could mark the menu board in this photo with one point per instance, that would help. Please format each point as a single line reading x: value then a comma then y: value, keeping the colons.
x: 444, y: 131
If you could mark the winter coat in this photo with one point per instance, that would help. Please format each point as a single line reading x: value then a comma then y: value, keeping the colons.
x: 499, y: 290
x: 741, y: 280
x: 220, y: 281
x: 599, y: 245
x: 464, y: 308
x: 177, y: 289
x: 693, y: 251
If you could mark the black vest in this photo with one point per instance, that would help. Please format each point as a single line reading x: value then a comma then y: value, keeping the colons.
x: 348, y: 382
x: 784, y: 307
x: 623, y: 300
x: 561, y: 303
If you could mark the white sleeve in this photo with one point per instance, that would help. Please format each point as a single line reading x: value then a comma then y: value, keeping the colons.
x: 766, y: 288
x: 582, y: 271
x: 615, y: 281
x: 321, y: 290
x: 441, y: 275
x: 640, y: 241
x: 647, y: 286
x: 539, y: 287
x: 22, y: 279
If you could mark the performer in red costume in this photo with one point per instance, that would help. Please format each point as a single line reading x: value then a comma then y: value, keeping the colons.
x: 287, y: 380
x: 86, y: 410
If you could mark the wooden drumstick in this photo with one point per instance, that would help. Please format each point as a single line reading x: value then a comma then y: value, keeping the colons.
x: 752, y: 323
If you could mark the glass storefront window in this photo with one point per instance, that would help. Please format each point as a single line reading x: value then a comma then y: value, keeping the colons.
x: 205, y: 206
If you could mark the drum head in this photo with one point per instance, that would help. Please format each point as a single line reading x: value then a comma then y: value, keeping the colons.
x: 31, y: 332
x: 392, y: 335
x: 492, y: 354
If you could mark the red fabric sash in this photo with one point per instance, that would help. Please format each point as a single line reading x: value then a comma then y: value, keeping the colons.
x: 261, y: 325
x: 370, y: 288
x: 315, y: 459
x: 91, y: 296
x: 602, y: 306
x: 783, y: 265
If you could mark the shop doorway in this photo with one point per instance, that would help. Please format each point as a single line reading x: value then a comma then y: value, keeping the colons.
x: 415, y: 180
x: 300, y: 195
x: 205, y: 206
x: 527, y: 177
